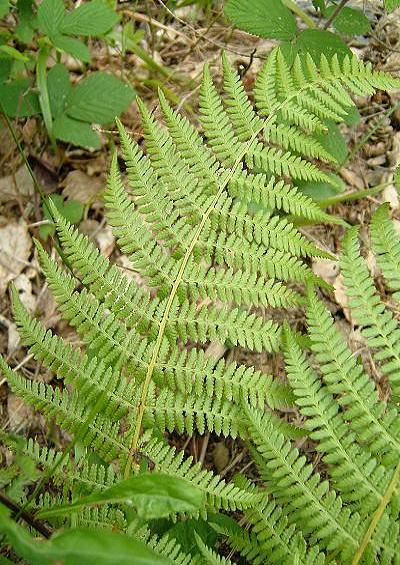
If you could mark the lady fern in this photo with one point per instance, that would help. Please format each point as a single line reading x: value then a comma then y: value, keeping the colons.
x: 203, y: 259
x: 351, y: 506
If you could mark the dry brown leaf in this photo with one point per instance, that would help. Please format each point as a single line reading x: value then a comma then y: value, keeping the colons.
x: 13, y: 339
x: 221, y: 456
x: 391, y: 195
x: 326, y: 269
x: 215, y: 350
x: 24, y: 288
x: 15, y: 186
x: 15, y: 249
x: 19, y: 414
x: 341, y: 297
x: 352, y: 179
x: 101, y: 235
x: 81, y: 187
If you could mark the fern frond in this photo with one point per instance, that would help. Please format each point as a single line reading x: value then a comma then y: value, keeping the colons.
x: 307, y: 499
x: 244, y: 119
x: 357, y: 475
x: 283, y: 163
x: 386, y: 246
x: 167, y: 547
x: 90, y: 376
x: 82, y: 477
x: 277, y: 541
x: 379, y: 327
x: 70, y: 412
x: 375, y: 423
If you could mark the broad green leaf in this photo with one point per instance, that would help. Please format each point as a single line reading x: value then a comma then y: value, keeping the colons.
x: 333, y: 142
x: 71, y: 211
x: 318, y: 190
x: 5, y: 68
x: 391, y: 5
x: 58, y: 86
x: 154, y: 495
x: 73, y: 46
x: 91, y: 18
x: 18, y: 99
x: 349, y: 21
x: 50, y: 15
x: 75, y: 132
x: 352, y: 117
x: 98, y: 98
x: 4, y: 8
x: 317, y: 42
x: 78, y: 546
x: 184, y: 530
x: 265, y: 18
x: 27, y: 21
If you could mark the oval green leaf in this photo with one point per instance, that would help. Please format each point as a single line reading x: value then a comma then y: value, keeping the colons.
x: 99, y: 98
x: 153, y: 495
x: 265, y: 18
x: 77, y: 546
x: 349, y: 21
x: 317, y: 42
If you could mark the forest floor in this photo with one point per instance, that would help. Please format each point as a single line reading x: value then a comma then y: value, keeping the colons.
x: 178, y: 45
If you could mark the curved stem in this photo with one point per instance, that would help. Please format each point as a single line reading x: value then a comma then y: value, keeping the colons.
x: 377, y: 516
x: 44, y: 99
x: 335, y: 13
x: 293, y: 7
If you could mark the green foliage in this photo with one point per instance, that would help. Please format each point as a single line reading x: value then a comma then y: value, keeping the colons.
x: 153, y: 495
x: 351, y: 507
x: 391, y: 5
x: 275, y: 19
x: 75, y: 545
x: 266, y: 19
x: 71, y: 211
x: 208, y: 268
x: 349, y: 21
x: 68, y: 111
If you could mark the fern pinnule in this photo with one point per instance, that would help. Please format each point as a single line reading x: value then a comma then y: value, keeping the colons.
x: 307, y: 499
x: 377, y: 322
x: 386, y: 246
x: 355, y: 473
x: 375, y: 422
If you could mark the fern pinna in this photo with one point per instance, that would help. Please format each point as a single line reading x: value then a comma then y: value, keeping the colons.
x: 351, y: 507
x: 204, y: 221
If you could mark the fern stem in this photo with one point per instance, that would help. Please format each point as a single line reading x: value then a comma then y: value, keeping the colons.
x: 377, y: 516
x: 353, y: 195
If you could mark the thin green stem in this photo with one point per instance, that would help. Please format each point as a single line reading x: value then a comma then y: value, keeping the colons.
x: 335, y: 13
x: 44, y: 99
x: 377, y: 516
x: 293, y: 7
x: 353, y: 195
